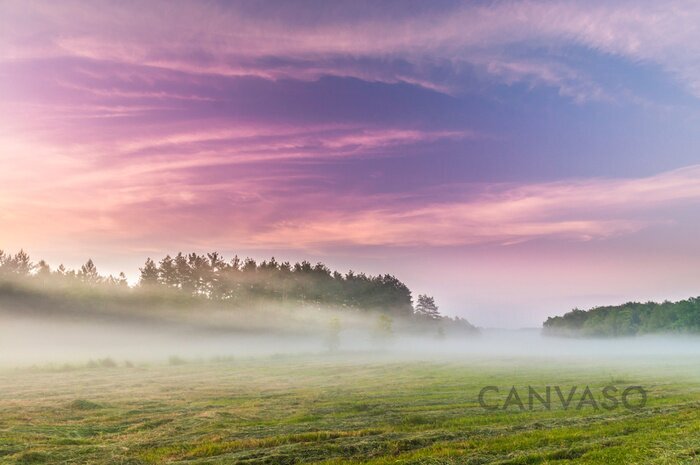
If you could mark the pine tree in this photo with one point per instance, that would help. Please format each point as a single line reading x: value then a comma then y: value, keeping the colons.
x: 121, y: 280
x: 426, y: 307
x: 61, y: 271
x: 167, y: 272
x: 88, y: 273
x: 22, y: 264
x: 149, y: 274
x: 43, y: 271
x: 184, y: 273
x: 19, y: 264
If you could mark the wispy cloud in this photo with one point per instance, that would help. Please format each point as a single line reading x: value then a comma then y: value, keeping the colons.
x: 429, y: 48
x: 219, y: 186
x: 138, y: 186
x: 572, y: 210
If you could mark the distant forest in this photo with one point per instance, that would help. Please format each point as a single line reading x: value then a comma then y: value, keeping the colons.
x: 192, y: 279
x: 630, y: 319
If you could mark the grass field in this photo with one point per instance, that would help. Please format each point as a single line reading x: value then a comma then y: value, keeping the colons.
x: 332, y: 410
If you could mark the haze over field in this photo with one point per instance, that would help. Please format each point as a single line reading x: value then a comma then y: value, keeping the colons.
x: 46, y: 342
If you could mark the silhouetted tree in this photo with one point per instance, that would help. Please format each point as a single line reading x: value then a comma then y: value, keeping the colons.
x: 183, y: 273
x: 18, y: 265
x: 121, y: 280
x: 60, y: 271
x: 167, y: 272
x: 88, y: 273
x: 22, y: 264
x: 425, y: 307
x: 43, y: 272
x: 149, y: 274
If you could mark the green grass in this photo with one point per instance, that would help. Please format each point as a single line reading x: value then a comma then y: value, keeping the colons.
x: 324, y: 410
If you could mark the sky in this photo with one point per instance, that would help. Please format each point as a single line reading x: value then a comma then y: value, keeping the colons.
x: 513, y: 159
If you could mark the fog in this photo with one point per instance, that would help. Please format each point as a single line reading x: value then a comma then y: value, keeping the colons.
x: 39, y: 339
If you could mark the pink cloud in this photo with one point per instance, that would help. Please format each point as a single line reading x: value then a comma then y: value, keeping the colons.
x: 574, y: 210
x: 226, y: 40
x: 145, y: 189
x: 145, y: 186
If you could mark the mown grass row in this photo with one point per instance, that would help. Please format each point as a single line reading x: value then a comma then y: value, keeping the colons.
x: 333, y: 411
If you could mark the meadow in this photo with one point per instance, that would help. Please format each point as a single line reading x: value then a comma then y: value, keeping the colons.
x: 337, y: 409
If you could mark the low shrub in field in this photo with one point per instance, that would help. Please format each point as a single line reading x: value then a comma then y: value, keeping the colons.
x: 82, y: 404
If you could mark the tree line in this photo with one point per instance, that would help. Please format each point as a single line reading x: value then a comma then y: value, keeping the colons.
x: 239, y: 282
x: 630, y: 319
x: 19, y: 267
x: 236, y: 280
